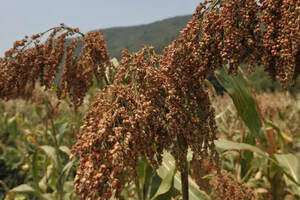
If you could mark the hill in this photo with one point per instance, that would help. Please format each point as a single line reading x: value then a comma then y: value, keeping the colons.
x: 159, y: 34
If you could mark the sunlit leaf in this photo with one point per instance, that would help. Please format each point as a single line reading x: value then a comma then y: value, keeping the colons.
x: 49, y: 197
x: 23, y: 188
x: 290, y: 164
x: 68, y: 167
x: 167, y: 165
x: 65, y: 149
x: 225, y: 145
x: 279, y: 132
x: 51, y: 152
x: 43, y: 183
x: 165, y: 186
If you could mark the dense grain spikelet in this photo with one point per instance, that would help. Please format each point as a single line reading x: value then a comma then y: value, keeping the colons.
x: 227, y: 188
x: 30, y: 61
x: 127, y: 121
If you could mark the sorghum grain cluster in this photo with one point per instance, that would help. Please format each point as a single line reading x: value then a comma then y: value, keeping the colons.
x: 30, y: 60
x: 256, y: 33
x: 127, y: 121
x: 227, y: 188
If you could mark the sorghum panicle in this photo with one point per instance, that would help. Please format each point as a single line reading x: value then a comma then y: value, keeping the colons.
x: 30, y: 61
x: 127, y: 121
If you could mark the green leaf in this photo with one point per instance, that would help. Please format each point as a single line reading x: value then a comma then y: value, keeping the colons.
x: 225, y: 145
x: 39, y: 111
x: 44, y: 182
x: 35, y: 170
x: 65, y: 149
x: 12, y: 127
x: 165, y: 186
x: 167, y: 165
x: 49, y: 196
x: 145, y: 177
x: 155, y: 183
x: 68, y: 167
x: 62, y: 130
x: 290, y: 164
x: 68, y: 191
x: 12, y: 156
x: 247, y: 157
x: 142, y: 170
x: 243, y: 99
x: 23, y: 188
x: 50, y: 152
x: 126, y: 192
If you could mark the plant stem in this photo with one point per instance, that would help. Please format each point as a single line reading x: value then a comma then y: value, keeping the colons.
x: 50, y: 116
x: 185, y: 181
x: 137, y: 187
x: 184, y: 172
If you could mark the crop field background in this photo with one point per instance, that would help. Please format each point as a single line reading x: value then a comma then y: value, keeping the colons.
x: 28, y: 155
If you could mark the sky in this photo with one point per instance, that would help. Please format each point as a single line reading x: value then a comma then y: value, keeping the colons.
x: 26, y: 17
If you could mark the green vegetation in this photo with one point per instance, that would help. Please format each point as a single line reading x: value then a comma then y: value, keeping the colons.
x: 36, y: 138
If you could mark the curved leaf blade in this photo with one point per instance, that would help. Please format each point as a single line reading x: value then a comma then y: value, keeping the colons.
x: 225, y: 145
x: 165, y: 186
x: 50, y: 152
x: 167, y: 165
x: 243, y: 99
x: 291, y: 165
x: 23, y: 188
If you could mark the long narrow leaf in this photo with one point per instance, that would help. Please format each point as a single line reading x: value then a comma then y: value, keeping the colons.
x: 225, y: 145
x: 243, y: 99
x: 290, y: 163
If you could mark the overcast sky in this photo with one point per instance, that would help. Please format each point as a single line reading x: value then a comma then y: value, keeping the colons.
x: 26, y: 17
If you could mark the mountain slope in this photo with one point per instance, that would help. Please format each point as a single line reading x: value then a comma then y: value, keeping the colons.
x: 159, y: 34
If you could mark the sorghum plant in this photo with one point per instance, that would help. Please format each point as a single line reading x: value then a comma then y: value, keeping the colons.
x: 127, y: 121
x: 156, y: 103
x: 30, y: 60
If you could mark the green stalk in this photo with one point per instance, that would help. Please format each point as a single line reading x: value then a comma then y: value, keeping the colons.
x: 184, y: 172
x: 185, y: 181
x: 138, y: 189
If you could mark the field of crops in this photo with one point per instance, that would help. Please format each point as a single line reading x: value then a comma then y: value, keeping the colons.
x: 37, y: 136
